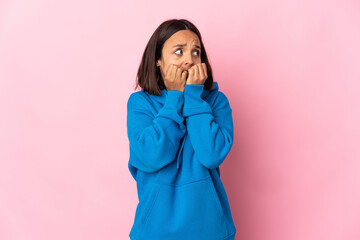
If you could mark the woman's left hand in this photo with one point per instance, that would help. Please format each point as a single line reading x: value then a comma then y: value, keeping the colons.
x: 197, y: 74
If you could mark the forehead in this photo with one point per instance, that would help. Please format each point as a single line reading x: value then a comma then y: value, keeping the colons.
x: 182, y: 37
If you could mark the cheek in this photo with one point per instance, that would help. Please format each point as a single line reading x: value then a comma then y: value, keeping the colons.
x: 170, y: 59
x: 197, y: 61
x: 174, y: 62
x: 171, y: 62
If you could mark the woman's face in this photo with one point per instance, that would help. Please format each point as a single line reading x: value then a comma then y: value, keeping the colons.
x: 182, y: 49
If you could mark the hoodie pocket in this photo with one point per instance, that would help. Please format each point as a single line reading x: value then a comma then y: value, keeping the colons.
x: 187, y: 211
x: 143, y: 210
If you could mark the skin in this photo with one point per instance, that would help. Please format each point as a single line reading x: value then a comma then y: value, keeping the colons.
x: 182, y: 65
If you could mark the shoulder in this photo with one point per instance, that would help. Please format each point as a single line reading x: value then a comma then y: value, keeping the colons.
x: 137, y: 99
x: 141, y: 103
x: 219, y: 101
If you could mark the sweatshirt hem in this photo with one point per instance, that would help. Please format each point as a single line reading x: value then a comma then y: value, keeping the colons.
x: 228, y: 237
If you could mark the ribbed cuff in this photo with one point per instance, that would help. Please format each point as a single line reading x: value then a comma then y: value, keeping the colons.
x: 193, y: 103
x: 173, y: 106
x: 174, y: 100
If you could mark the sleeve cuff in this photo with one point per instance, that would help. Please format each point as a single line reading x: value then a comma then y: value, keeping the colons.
x: 174, y: 100
x: 193, y: 103
x: 173, y: 105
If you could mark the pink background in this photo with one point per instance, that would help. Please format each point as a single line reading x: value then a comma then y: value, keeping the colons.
x: 290, y: 70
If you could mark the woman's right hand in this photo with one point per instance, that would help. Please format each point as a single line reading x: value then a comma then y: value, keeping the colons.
x: 175, y: 78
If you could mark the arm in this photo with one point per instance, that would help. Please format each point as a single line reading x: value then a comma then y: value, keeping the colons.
x: 210, y: 129
x: 154, y: 141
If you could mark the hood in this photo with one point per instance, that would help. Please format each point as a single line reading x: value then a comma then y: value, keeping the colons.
x: 163, y: 95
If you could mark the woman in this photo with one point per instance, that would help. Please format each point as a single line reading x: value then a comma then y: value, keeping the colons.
x: 180, y: 130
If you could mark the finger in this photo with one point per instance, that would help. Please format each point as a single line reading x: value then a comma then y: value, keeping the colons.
x: 191, y: 74
x: 201, y: 72
x: 196, y: 72
x: 183, y: 76
x: 205, y: 70
x: 168, y: 72
x: 173, y: 72
x: 178, y: 73
x: 168, y: 68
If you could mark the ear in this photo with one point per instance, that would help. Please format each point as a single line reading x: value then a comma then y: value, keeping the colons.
x: 158, y: 63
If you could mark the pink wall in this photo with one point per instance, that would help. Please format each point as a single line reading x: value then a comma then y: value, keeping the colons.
x: 289, y: 68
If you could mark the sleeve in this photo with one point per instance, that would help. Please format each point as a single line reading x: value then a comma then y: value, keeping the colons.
x: 154, y: 140
x: 210, y: 128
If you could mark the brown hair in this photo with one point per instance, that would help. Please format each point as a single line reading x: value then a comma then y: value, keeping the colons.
x: 149, y: 76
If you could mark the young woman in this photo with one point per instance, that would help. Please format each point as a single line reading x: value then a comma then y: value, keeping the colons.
x: 180, y: 130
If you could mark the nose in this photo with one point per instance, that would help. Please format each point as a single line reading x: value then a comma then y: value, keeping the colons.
x: 188, y: 61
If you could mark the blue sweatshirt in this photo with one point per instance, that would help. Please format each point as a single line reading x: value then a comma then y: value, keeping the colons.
x: 177, y: 142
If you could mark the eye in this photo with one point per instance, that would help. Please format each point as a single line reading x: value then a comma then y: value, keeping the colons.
x: 198, y: 52
x: 179, y: 49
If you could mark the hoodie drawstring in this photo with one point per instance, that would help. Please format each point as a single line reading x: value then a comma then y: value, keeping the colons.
x: 179, y: 157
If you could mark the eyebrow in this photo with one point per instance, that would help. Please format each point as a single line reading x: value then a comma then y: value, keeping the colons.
x: 182, y: 45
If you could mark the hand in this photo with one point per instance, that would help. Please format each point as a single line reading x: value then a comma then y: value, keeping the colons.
x: 197, y: 74
x: 175, y: 78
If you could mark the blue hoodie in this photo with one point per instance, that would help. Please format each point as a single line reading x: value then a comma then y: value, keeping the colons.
x: 177, y: 142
